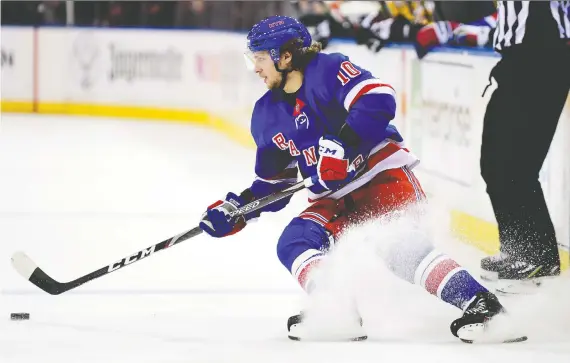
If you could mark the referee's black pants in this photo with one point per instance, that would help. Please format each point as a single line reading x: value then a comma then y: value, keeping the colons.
x: 519, y: 124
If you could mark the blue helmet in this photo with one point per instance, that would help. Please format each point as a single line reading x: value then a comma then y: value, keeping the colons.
x: 272, y: 33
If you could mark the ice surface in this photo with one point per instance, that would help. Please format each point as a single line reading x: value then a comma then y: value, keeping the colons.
x: 79, y: 193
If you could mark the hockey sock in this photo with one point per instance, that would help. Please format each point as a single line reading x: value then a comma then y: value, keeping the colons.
x: 303, y: 267
x: 445, y: 278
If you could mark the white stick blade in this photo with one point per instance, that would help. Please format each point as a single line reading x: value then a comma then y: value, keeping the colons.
x: 23, y: 264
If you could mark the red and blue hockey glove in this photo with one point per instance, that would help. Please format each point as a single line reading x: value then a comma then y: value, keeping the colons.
x: 471, y: 35
x: 333, y: 169
x: 216, y: 221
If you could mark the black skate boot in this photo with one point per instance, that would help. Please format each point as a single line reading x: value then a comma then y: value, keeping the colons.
x: 299, y: 331
x: 520, y: 277
x: 491, y: 265
x: 472, y: 326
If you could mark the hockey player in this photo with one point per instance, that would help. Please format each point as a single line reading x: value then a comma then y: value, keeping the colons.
x: 329, y: 119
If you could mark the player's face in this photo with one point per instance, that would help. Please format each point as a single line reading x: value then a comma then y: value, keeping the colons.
x: 265, y: 69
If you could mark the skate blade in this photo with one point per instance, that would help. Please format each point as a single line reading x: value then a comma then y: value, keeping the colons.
x: 357, y: 339
x: 339, y: 333
x: 489, y: 275
x: 490, y: 334
x: 518, y: 287
x: 515, y: 340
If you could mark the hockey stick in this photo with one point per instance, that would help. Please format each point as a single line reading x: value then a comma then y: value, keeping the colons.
x: 30, y: 271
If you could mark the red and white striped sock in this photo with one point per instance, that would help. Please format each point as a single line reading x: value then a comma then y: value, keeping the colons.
x: 443, y: 277
x: 303, y: 268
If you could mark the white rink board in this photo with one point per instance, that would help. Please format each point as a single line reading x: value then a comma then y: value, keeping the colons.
x: 163, y: 69
x: 444, y: 127
x: 17, y: 63
x: 440, y: 109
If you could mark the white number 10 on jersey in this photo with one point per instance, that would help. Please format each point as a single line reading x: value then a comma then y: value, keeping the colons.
x: 346, y: 72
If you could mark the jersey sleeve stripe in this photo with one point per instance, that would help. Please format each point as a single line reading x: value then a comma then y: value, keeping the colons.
x: 277, y: 181
x: 366, y: 87
x: 288, y: 175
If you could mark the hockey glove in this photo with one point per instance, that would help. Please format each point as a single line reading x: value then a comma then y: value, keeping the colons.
x: 333, y: 170
x: 471, y: 35
x: 216, y: 221
x: 372, y: 33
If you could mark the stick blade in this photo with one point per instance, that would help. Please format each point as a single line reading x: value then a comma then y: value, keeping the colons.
x: 23, y: 264
x: 26, y: 267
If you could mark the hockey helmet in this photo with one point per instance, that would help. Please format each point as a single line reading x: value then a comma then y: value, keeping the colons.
x: 272, y: 33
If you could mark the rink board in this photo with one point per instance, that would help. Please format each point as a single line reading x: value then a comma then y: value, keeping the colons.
x: 200, y: 77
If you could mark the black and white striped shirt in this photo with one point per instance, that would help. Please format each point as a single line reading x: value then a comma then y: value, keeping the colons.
x: 535, y: 23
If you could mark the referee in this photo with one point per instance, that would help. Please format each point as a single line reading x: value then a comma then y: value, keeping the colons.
x: 533, y: 78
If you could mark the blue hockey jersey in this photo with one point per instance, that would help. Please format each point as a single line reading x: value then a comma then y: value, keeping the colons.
x: 334, y: 91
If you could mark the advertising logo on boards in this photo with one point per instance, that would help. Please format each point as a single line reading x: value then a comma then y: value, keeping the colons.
x: 7, y: 58
x: 85, y: 53
x: 134, y: 64
x: 90, y: 54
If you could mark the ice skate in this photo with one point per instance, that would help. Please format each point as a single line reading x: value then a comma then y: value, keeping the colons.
x: 491, y: 265
x: 472, y: 327
x: 348, y: 332
x: 520, y: 277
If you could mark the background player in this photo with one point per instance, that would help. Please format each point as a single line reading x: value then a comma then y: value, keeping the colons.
x: 329, y: 120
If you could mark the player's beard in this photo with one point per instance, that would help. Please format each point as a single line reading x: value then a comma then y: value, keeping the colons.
x: 274, y: 85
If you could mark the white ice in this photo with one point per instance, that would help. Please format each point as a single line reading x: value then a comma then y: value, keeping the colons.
x: 79, y: 193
